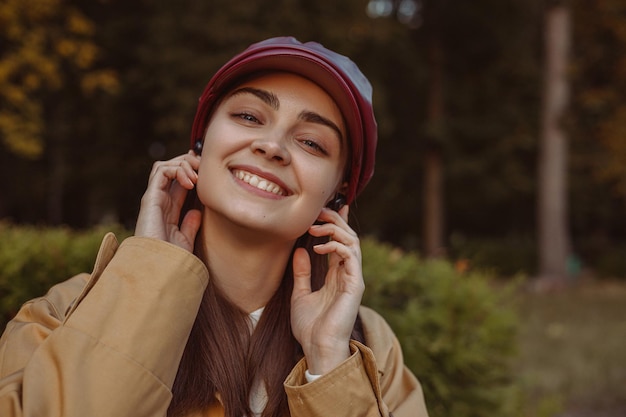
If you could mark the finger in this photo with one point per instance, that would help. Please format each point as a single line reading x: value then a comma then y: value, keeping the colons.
x: 330, y: 216
x: 339, y: 218
x: 184, y: 174
x: 342, y: 233
x: 338, y: 248
x: 165, y: 173
x: 341, y: 255
x: 346, y: 264
x: 177, y: 193
x: 301, y: 273
x: 188, y: 163
x: 190, y: 166
x: 162, y: 175
x: 344, y: 211
x: 183, y: 183
x: 191, y: 224
x: 167, y: 189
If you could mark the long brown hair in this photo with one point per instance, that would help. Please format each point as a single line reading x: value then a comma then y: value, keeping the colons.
x: 222, y: 356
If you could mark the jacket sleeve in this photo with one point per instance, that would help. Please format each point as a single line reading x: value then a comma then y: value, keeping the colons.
x: 373, y: 382
x: 115, y: 349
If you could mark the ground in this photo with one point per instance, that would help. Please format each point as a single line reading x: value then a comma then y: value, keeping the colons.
x: 572, y: 359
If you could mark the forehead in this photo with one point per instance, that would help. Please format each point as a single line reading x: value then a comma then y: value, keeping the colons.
x: 293, y: 84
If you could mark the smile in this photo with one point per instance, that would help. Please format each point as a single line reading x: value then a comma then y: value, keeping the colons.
x: 258, y: 182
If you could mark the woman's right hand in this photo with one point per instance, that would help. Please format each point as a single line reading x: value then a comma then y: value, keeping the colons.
x: 159, y: 214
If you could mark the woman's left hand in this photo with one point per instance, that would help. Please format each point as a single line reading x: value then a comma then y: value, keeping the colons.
x: 322, y: 321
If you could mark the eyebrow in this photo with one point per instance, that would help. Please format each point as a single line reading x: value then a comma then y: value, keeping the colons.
x: 267, y: 97
x: 312, y: 117
x: 272, y: 100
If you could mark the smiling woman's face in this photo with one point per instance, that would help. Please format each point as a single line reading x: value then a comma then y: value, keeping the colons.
x: 274, y: 154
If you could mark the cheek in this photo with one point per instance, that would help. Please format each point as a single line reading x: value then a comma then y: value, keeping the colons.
x: 201, y: 188
x: 204, y: 184
x: 324, y: 184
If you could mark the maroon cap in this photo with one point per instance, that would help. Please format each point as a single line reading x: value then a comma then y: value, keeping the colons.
x: 335, y: 73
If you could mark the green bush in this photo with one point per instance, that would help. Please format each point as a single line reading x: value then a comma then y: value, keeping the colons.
x: 457, y: 330
x: 32, y: 259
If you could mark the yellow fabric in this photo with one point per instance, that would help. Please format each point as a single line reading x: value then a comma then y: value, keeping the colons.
x: 372, y: 382
x: 109, y: 344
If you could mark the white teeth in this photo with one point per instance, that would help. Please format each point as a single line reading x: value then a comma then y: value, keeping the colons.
x: 258, y: 182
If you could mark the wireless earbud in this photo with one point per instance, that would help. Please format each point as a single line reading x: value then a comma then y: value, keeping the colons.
x: 197, y: 147
x: 337, y: 202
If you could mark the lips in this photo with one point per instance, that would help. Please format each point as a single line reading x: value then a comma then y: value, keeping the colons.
x: 259, y: 182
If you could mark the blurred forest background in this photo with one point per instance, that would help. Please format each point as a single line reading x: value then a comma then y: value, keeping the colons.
x: 92, y: 92
x: 501, y: 149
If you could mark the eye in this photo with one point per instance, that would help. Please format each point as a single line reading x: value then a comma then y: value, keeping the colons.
x: 314, y: 146
x: 247, y: 117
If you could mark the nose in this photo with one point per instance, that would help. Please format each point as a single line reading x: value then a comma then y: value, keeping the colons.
x: 272, y: 149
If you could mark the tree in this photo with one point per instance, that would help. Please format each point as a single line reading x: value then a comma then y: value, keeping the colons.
x: 470, y: 136
x: 553, y: 236
x: 41, y: 40
x: 434, y: 188
x: 163, y: 53
x: 427, y: 16
x: 599, y: 79
x: 47, y: 47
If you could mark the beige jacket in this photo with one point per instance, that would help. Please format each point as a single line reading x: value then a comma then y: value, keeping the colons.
x: 109, y: 344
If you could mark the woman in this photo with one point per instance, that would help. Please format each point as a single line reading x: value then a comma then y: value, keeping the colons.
x: 246, y: 300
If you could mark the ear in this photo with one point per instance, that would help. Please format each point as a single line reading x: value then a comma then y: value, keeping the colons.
x: 339, y: 199
x: 343, y: 188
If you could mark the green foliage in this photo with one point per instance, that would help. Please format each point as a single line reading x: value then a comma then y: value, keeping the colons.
x: 32, y: 259
x: 457, y: 330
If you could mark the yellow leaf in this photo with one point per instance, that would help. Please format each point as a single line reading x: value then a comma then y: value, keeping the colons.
x: 21, y: 133
x: 86, y: 55
x: 65, y: 47
x: 105, y: 80
x: 79, y: 24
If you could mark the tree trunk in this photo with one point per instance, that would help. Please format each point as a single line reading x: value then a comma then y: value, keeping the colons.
x: 433, y: 204
x: 58, y: 132
x: 553, y: 236
x: 433, y: 220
